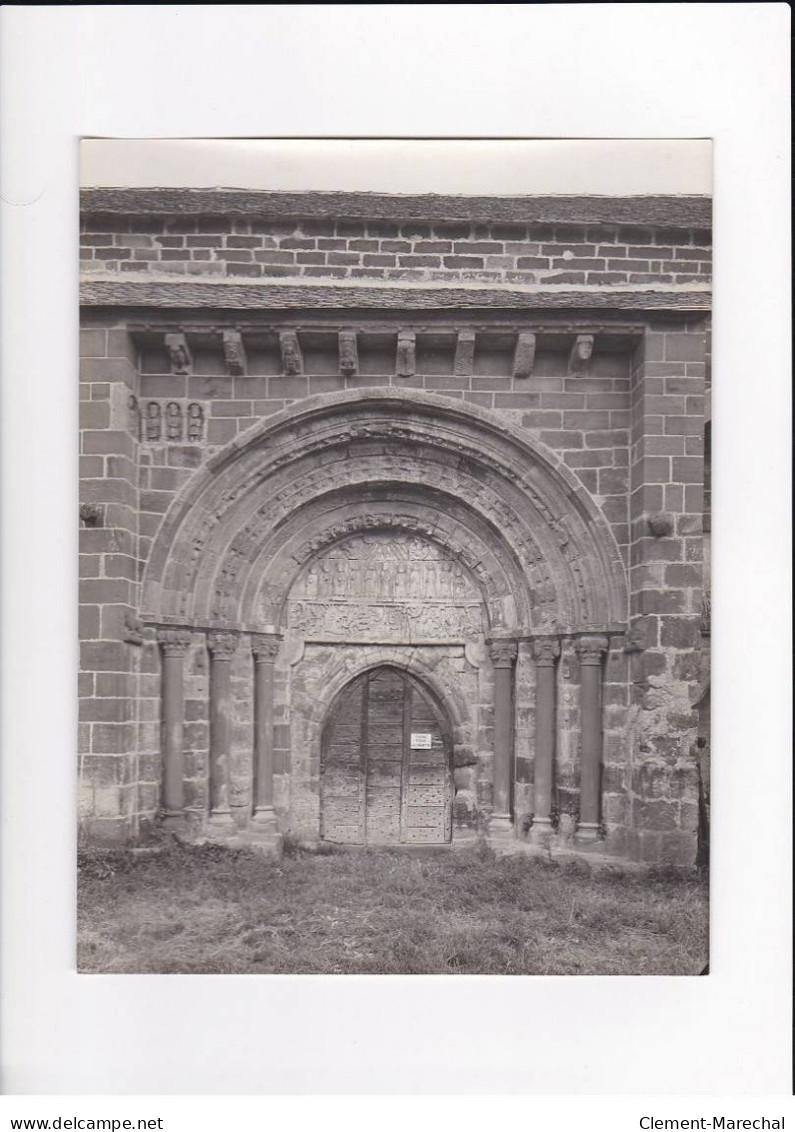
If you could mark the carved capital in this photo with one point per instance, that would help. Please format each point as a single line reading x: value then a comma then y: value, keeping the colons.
x: 173, y: 642
x: 503, y: 653
x: 264, y: 647
x: 222, y: 645
x: 546, y: 650
x: 591, y: 649
x: 179, y: 354
x: 525, y: 354
x: 234, y: 352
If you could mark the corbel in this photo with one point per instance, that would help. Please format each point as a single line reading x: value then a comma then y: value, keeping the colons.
x: 581, y: 352
x: 464, y: 353
x: 292, y: 361
x: 179, y: 354
x: 406, y: 353
x: 524, y: 354
x: 234, y: 353
x: 349, y: 353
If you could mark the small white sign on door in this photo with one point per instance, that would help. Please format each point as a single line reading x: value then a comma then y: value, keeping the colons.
x: 420, y: 740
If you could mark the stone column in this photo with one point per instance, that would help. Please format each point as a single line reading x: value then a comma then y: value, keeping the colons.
x: 264, y: 649
x: 222, y: 648
x: 591, y: 650
x: 545, y: 652
x: 174, y: 643
x: 503, y: 657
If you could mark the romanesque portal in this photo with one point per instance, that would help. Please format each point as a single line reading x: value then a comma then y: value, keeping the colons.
x: 393, y: 560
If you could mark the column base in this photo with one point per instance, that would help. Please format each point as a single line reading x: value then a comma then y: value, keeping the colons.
x: 221, y: 819
x: 265, y: 817
x: 501, y: 825
x: 587, y: 831
x: 173, y: 821
x: 541, y: 830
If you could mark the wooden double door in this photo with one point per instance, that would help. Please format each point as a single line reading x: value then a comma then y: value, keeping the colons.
x: 386, y: 776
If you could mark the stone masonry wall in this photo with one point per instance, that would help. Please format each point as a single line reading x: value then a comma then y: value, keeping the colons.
x: 629, y: 425
x: 261, y: 247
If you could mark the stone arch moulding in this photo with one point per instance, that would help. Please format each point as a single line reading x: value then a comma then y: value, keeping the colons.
x: 462, y: 472
x: 348, y: 668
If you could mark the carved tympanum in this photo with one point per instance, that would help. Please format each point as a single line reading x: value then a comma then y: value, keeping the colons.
x: 386, y: 586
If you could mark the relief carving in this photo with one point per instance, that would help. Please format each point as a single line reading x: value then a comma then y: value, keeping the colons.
x: 234, y: 353
x: 174, y: 421
x: 292, y: 360
x: 349, y: 353
x: 406, y: 353
x: 195, y: 422
x: 154, y: 416
x: 179, y: 354
x: 387, y: 586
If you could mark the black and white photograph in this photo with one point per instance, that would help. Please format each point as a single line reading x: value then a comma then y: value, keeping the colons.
x: 395, y: 568
x: 394, y: 589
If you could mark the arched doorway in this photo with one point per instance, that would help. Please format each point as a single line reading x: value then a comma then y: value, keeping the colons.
x: 386, y: 755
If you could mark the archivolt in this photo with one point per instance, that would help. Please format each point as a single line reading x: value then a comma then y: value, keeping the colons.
x: 247, y: 518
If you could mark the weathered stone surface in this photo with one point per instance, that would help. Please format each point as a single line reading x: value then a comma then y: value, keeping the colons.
x: 456, y: 459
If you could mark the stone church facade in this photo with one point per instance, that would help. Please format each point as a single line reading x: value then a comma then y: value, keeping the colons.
x: 392, y: 516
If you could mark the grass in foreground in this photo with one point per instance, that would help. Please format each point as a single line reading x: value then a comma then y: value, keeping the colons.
x: 211, y: 910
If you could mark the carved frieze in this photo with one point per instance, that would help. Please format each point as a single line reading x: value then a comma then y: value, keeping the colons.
x: 386, y: 586
x: 172, y: 422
